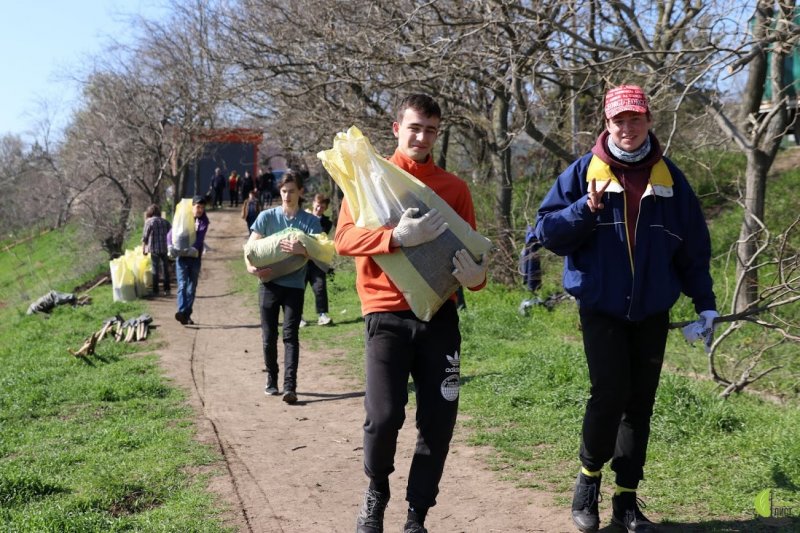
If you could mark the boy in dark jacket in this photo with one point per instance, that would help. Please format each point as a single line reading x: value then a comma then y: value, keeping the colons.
x: 633, y: 237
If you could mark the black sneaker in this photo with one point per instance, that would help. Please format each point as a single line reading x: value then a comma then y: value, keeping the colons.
x: 370, y: 517
x: 628, y: 516
x: 180, y: 317
x: 585, y: 515
x: 290, y: 397
x: 412, y: 526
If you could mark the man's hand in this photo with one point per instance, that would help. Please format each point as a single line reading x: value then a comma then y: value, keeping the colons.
x: 412, y: 231
x: 595, y: 198
x: 467, y: 271
x: 702, y: 328
x: 263, y: 273
x: 292, y: 246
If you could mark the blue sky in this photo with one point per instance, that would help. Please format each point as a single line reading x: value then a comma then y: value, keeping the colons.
x: 43, y: 41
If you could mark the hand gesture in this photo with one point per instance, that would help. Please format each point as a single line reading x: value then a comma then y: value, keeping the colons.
x: 411, y: 231
x: 595, y: 198
x: 467, y: 271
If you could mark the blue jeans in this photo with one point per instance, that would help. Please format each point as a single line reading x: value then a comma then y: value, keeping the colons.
x: 187, y: 270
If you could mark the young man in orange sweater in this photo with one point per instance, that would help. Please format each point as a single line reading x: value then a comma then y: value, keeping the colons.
x: 397, y: 343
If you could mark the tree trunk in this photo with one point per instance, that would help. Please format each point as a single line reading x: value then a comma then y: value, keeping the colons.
x: 444, y: 142
x: 766, y: 135
x: 501, y: 167
x: 758, y: 165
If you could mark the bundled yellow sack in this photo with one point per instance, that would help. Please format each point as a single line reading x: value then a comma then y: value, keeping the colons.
x: 123, y: 282
x: 267, y: 252
x: 141, y: 266
x: 378, y: 192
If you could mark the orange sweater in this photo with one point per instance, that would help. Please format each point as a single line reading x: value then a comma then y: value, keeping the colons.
x: 375, y: 289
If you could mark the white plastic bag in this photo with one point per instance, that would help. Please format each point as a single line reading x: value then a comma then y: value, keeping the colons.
x: 183, y: 230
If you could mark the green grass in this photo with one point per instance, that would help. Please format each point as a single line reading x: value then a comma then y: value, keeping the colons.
x: 95, y: 445
x: 57, y: 260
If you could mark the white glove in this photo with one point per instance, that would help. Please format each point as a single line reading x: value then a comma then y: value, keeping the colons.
x: 411, y: 231
x: 467, y: 271
x: 702, y: 328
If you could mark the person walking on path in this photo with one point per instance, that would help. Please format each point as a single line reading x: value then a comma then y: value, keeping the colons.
x: 233, y: 189
x: 398, y: 344
x: 251, y: 207
x: 187, y: 266
x: 286, y: 292
x: 633, y: 237
x: 218, y: 182
x: 154, y: 242
x: 315, y: 276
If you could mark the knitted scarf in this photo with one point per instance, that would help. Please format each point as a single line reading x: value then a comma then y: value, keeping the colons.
x: 629, y: 157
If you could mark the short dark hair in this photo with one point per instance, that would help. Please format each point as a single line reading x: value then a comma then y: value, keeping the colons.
x: 419, y: 102
x: 290, y: 177
x: 152, y: 211
x: 321, y: 199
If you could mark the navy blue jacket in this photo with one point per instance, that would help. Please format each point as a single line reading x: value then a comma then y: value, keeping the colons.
x: 672, y: 251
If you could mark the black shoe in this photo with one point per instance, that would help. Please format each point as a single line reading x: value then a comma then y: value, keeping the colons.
x: 271, y: 389
x: 412, y: 526
x: 584, y: 503
x: 190, y: 322
x: 180, y: 317
x: 628, y: 516
x: 290, y: 397
x: 370, y: 517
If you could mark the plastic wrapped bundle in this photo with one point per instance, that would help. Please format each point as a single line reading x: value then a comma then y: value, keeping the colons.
x: 378, y: 192
x: 267, y: 252
x: 183, y: 230
x: 123, y: 282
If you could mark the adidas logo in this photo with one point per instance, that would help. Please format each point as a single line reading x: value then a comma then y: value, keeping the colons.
x: 454, y: 360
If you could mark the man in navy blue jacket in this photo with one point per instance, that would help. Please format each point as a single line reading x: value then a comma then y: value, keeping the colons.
x: 633, y: 237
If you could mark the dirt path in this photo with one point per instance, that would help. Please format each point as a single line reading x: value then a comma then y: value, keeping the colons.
x: 298, y: 469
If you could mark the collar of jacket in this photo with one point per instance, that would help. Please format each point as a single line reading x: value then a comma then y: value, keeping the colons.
x: 660, y: 183
x: 419, y: 170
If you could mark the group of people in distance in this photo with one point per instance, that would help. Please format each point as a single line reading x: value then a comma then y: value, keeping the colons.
x: 633, y: 236
x: 239, y: 187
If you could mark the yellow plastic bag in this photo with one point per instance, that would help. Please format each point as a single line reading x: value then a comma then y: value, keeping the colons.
x: 141, y: 266
x: 266, y: 252
x: 183, y: 230
x: 122, y: 281
x: 378, y: 192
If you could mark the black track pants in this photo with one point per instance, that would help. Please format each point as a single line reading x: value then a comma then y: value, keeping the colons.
x: 399, y: 345
x: 625, y: 360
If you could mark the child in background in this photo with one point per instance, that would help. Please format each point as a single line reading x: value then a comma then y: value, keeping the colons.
x: 251, y: 207
x: 314, y: 275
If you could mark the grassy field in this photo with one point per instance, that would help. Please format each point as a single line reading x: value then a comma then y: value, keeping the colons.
x: 95, y: 445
